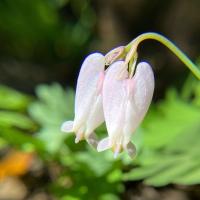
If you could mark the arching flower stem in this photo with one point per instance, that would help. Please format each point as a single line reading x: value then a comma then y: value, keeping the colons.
x: 155, y: 36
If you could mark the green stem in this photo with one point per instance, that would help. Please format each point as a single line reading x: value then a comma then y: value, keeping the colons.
x: 168, y: 44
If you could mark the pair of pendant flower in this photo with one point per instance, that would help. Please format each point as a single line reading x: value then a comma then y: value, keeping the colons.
x: 118, y: 94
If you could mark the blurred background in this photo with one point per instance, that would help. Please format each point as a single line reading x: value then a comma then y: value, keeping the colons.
x: 42, y: 46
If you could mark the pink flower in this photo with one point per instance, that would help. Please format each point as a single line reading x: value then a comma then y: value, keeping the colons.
x: 125, y: 103
x: 88, y: 100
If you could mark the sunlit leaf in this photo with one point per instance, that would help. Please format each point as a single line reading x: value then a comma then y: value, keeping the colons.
x: 13, y: 100
x: 169, y: 120
x: 14, y: 119
x: 54, y: 106
x: 20, y: 139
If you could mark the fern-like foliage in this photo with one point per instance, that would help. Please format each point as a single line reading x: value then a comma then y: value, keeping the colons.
x: 16, y: 127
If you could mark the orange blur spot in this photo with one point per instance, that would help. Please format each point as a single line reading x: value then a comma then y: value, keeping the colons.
x: 16, y: 163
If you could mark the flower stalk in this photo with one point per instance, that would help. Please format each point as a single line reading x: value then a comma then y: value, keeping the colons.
x: 155, y: 36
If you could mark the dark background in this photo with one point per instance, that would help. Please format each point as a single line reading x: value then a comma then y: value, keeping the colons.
x: 46, y: 41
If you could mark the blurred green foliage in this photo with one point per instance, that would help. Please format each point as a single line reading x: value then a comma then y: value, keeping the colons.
x: 48, y: 111
x: 43, y: 30
x: 15, y: 124
x: 13, y: 100
x: 168, y: 142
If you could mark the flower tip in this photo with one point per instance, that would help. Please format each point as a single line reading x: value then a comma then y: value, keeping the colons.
x: 77, y: 139
x: 67, y: 126
x: 116, y: 153
x: 103, y: 145
x: 117, y: 149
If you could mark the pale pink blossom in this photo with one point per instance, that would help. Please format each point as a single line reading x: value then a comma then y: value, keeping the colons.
x: 88, y: 100
x: 125, y: 103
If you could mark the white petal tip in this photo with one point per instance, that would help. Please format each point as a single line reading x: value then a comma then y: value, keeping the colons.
x: 117, y: 150
x: 116, y: 154
x: 67, y: 126
x: 77, y: 140
x: 103, y: 145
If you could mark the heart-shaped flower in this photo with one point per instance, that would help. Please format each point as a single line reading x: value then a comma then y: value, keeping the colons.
x: 88, y: 100
x: 125, y: 103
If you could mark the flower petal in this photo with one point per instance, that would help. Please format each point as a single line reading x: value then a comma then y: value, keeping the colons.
x: 87, y: 84
x: 104, y: 144
x: 96, y: 116
x: 140, y: 92
x: 126, y: 102
x: 144, y: 86
x: 114, y: 97
x: 67, y: 126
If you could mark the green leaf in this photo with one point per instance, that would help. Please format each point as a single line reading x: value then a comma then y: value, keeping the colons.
x: 53, y: 107
x: 191, y: 178
x: 109, y: 197
x: 169, y: 175
x: 169, y: 121
x: 3, y: 143
x: 14, y: 119
x: 20, y: 139
x: 13, y: 100
x: 98, y: 164
x: 149, y: 170
x: 52, y: 137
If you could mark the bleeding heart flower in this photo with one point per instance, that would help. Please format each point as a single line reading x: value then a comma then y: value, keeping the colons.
x: 125, y: 103
x: 88, y: 100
